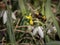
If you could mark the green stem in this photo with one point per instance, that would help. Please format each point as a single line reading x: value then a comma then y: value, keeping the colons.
x: 43, y: 8
x: 9, y: 25
x: 50, y: 14
x: 22, y: 7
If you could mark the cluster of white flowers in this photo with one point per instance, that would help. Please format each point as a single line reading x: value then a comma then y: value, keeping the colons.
x: 36, y: 30
x: 5, y: 17
x: 40, y: 31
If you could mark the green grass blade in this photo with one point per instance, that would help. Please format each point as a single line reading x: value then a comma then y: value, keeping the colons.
x: 9, y: 25
x: 53, y: 43
x: 22, y: 7
x: 50, y: 14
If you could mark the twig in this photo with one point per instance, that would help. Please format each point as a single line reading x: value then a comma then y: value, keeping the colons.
x: 32, y: 10
x: 25, y: 44
x: 3, y: 30
x: 21, y: 26
x: 57, y: 19
x: 3, y: 40
x: 17, y: 24
x: 24, y: 38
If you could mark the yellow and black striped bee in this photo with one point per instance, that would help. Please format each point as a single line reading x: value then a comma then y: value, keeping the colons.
x: 40, y: 16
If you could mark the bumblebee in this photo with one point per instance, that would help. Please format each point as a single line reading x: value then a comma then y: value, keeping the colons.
x: 40, y: 16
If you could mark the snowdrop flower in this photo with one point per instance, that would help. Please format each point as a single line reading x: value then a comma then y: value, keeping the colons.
x: 5, y: 17
x: 13, y: 16
x: 53, y: 29
x: 39, y: 31
x: 35, y: 30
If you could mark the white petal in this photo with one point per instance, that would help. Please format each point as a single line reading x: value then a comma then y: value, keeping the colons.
x: 35, y: 31
x: 41, y: 27
x: 13, y: 16
x: 49, y: 31
x: 54, y: 28
x: 4, y: 17
x: 40, y: 32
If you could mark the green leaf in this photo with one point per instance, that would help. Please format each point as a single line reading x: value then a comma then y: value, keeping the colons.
x: 53, y: 43
x: 47, y: 39
x: 22, y: 7
x: 49, y: 14
x: 9, y: 25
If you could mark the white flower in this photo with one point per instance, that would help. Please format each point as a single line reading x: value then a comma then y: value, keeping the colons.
x: 35, y: 31
x: 5, y: 17
x: 13, y: 16
x: 51, y: 30
x: 39, y: 31
x: 54, y: 28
